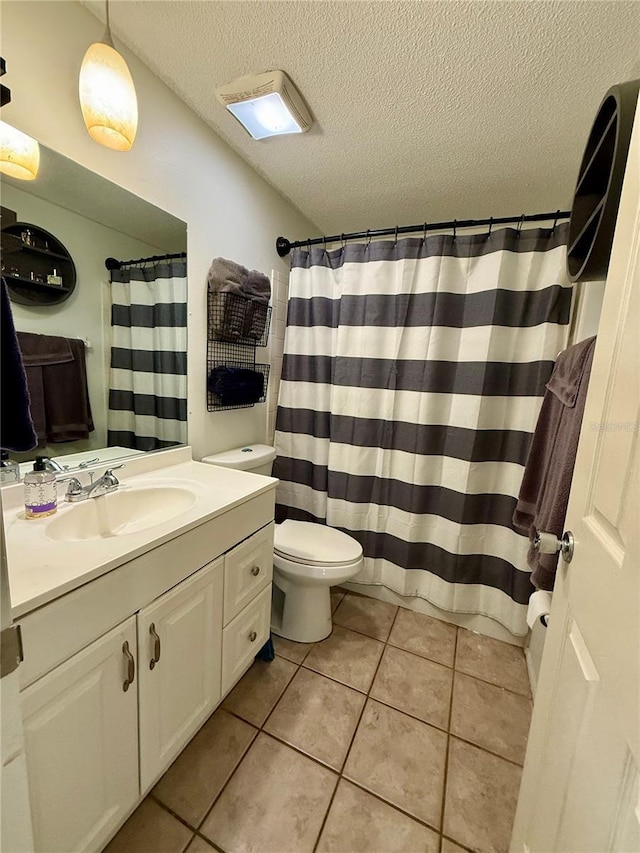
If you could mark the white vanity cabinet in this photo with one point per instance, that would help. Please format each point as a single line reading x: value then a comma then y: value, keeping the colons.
x: 81, y: 744
x: 179, y: 654
x: 190, y: 616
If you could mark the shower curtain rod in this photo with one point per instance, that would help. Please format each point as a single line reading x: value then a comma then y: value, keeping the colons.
x: 284, y: 246
x: 113, y: 264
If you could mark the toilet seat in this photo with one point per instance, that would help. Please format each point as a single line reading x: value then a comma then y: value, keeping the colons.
x: 309, y: 544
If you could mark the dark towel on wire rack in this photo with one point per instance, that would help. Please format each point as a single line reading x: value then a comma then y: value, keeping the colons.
x: 236, y: 386
x: 57, y: 377
x: 544, y: 493
x: 16, y: 424
x: 242, y: 296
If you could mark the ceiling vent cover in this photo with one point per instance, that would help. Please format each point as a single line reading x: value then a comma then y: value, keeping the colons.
x: 266, y: 104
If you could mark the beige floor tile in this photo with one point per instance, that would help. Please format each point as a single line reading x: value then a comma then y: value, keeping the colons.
x: 447, y: 847
x: 199, y: 845
x: 400, y: 759
x: 295, y: 652
x: 318, y: 716
x: 481, y: 798
x: 275, y: 802
x: 360, y: 823
x: 257, y: 692
x: 492, y: 660
x: 337, y: 595
x: 197, y: 776
x: 346, y: 656
x: 414, y: 685
x: 150, y: 829
x: 424, y: 636
x: 491, y: 717
x: 367, y: 615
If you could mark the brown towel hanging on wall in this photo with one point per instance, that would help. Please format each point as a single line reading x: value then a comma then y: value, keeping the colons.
x: 57, y: 379
x: 544, y: 493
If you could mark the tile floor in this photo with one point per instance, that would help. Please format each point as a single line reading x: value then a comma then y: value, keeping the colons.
x: 397, y: 734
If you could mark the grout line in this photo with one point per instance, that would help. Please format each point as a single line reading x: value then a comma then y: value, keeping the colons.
x: 446, y: 754
x: 353, y: 737
x: 170, y: 811
x: 457, y: 843
x: 493, y: 684
x: 277, y: 702
x: 380, y: 799
x: 209, y: 842
x: 484, y: 749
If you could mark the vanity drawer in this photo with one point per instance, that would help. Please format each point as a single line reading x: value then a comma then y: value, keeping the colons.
x: 244, y: 637
x: 247, y: 569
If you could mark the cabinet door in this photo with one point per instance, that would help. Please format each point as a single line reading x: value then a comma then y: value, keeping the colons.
x: 81, y: 744
x: 179, y: 646
x: 244, y: 637
x: 247, y: 569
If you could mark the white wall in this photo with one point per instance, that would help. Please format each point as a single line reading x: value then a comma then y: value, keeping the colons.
x: 177, y: 163
x: 85, y: 313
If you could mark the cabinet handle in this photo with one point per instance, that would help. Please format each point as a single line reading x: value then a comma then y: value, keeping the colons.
x: 255, y: 571
x: 253, y: 636
x: 155, y: 657
x: 131, y: 667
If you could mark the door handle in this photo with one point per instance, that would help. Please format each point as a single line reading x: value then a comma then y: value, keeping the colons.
x: 131, y: 667
x: 546, y: 543
x: 155, y: 657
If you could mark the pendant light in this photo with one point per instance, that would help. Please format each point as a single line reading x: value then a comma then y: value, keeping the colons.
x: 19, y: 153
x: 107, y: 95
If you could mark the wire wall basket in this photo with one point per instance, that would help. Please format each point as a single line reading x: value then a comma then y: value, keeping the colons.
x: 235, y: 320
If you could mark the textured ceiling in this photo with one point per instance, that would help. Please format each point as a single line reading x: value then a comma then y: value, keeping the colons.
x: 423, y: 110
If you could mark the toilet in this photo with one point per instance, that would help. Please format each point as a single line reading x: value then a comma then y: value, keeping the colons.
x: 308, y: 559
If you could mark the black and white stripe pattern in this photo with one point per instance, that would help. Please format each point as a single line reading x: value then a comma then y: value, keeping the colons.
x: 148, y: 375
x: 412, y: 379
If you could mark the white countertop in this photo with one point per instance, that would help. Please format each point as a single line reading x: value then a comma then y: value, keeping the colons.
x: 42, y: 569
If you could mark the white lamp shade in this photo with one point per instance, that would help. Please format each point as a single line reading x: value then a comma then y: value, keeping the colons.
x: 108, y: 98
x: 19, y: 153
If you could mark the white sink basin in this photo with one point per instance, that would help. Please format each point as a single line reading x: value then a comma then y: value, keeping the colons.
x: 120, y: 513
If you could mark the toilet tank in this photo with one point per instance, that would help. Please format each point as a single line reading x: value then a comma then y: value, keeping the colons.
x: 256, y: 458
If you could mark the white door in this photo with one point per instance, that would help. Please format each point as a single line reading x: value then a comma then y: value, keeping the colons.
x: 180, y: 649
x: 81, y: 743
x: 580, y: 782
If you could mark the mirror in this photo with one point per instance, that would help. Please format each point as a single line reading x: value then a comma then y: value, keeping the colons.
x: 93, y: 219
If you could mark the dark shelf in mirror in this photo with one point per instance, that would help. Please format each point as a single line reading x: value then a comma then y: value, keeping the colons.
x: 39, y: 253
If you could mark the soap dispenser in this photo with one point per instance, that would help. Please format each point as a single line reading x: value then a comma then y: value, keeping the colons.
x: 40, y: 492
x: 9, y: 469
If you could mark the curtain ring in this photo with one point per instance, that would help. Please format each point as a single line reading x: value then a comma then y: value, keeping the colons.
x: 455, y: 225
x: 309, y: 244
x: 424, y: 233
x: 519, y: 229
x: 342, y: 240
x: 555, y: 221
x: 368, y: 238
x: 490, y: 226
x: 395, y: 240
x: 324, y: 243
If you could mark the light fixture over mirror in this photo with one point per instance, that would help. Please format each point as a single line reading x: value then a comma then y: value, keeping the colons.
x: 19, y: 153
x: 107, y: 95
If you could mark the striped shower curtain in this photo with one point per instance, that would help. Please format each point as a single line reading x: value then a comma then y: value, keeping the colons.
x: 412, y: 379
x: 148, y: 374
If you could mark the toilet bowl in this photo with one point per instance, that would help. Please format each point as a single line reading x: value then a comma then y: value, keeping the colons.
x: 308, y: 560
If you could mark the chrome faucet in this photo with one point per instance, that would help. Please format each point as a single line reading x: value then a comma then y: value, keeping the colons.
x: 53, y: 466
x: 103, y: 485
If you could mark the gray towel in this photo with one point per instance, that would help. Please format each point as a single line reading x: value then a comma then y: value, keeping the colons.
x: 227, y: 276
x: 544, y: 493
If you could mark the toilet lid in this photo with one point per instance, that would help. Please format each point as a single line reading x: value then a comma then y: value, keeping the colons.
x: 315, y: 543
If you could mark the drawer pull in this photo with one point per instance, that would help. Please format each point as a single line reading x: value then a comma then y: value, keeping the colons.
x: 253, y: 636
x: 131, y: 667
x: 255, y: 571
x: 155, y: 657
